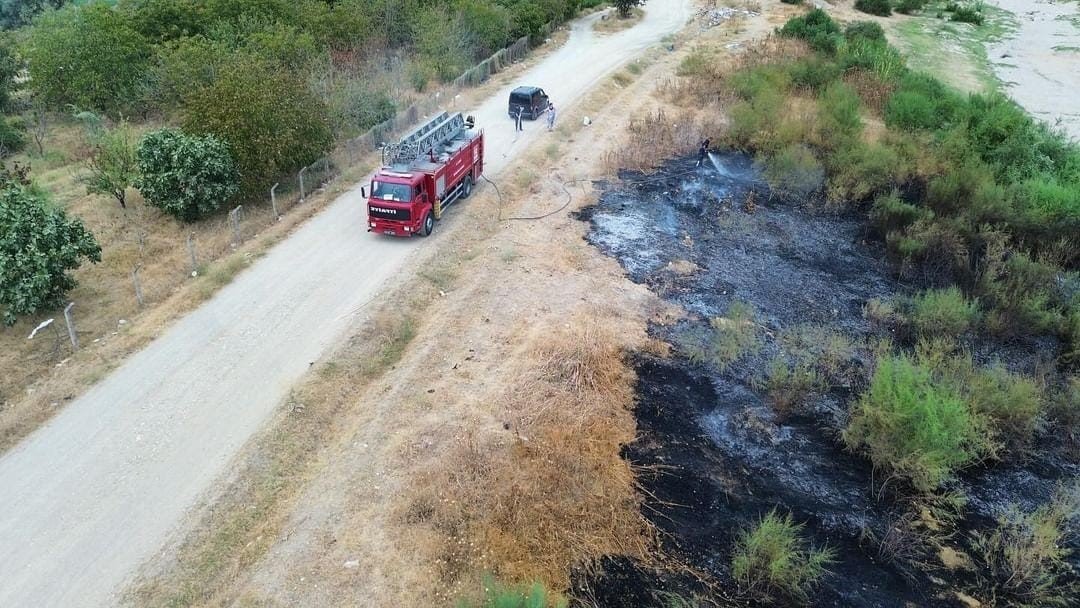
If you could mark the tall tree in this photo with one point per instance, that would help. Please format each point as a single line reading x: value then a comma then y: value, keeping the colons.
x: 112, y: 164
x: 89, y: 57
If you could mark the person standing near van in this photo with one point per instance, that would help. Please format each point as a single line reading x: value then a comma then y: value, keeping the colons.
x: 517, y: 119
x: 551, y: 117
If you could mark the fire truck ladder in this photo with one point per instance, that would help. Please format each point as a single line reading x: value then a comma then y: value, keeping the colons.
x: 426, y: 137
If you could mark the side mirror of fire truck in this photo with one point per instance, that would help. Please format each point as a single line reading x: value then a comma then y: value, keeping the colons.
x: 470, y: 122
x: 363, y: 192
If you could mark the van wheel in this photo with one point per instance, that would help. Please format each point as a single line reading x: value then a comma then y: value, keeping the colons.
x: 466, y: 188
x: 429, y: 225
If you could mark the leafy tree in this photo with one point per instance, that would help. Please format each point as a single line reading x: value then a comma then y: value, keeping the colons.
x: 38, y: 246
x: 625, y: 6
x: 163, y: 20
x: 89, y: 57
x: 12, y: 136
x: 272, y: 122
x: 17, y: 13
x: 112, y: 164
x: 9, y: 70
x: 187, y: 176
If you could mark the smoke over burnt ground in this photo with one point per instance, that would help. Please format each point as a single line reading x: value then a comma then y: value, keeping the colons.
x: 713, y: 456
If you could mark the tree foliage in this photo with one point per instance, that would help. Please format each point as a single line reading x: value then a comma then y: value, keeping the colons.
x: 112, y: 167
x: 272, y: 122
x: 38, y: 246
x: 89, y: 57
x: 187, y: 176
x: 17, y: 13
x: 625, y: 6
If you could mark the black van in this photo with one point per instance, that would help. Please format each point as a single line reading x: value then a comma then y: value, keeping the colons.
x: 532, y: 100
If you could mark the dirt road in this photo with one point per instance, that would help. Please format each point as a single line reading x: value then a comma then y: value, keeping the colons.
x: 1040, y: 62
x: 90, y: 495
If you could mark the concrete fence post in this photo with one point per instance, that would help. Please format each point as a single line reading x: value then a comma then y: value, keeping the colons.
x: 69, y: 319
x: 273, y: 201
x: 137, y: 285
x: 191, y: 253
x: 302, y: 193
x: 234, y: 219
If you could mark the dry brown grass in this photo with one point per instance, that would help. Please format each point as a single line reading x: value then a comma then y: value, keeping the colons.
x: 612, y: 22
x: 658, y: 135
x: 556, y: 494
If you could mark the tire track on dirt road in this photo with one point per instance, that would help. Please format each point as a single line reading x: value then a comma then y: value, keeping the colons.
x: 91, y: 494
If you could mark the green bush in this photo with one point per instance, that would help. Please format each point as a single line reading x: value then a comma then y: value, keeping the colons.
x: 965, y: 14
x: 772, y: 561
x: 752, y: 83
x: 271, y: 121
x: 838, y: 113
x: 923, y: 102
x: 882, y: 8
x: 915, y: 428
x: 1012, y: 404
x: 890, y: 213
x: 12, y: 136
x: 794, y: 172
x: 865, y: 30
x: 788, y: 386
x: 1017, y: 290
x: 872, y: 56
x: 38, y: 246
x: 909, y: 7
x: 726, y: 339
x: 89, y: 57
x: 942, y: 312
x: 814, y: 72
x: 1024, y: 561
x: 816, y: 28
x: 188, y: 177
x: 861, y: 171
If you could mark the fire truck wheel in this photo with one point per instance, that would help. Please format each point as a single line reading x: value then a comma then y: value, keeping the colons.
x: 466, y: 188
x: 429, y: 225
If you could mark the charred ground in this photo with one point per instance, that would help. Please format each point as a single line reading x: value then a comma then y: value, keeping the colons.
x: 713, y: 456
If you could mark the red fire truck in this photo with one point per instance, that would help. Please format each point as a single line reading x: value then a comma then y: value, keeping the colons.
x: 430, y: 169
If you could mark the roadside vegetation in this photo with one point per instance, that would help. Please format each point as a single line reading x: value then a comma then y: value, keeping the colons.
x: 146, y: 121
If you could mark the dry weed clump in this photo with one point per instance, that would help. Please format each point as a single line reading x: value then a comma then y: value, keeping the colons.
x: 541, y: 487
x: 654, y: 137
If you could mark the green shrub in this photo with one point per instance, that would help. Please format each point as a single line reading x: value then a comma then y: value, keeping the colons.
x: 89, y: 57
x: 788, y: 386
x: 1012, y: 404
x: 882, y: 8
x: 794, y: 172
x: 271, y: 121
x: 965, y: 14
x: 891, y: 213
x: 923, y: 102
x: 1024, y: 560
x: 942, y: 312
x: 813, y: 72
x: 908, y: 7
x: 875, y: 57
x: 12, y: 136
x: 913, y: 427
x: 865, y: 30
x: 772, y: 561
x: 498, y: 595
x: 752, y: 122
x: 725, y: 340
x: 862, y: 171
x: 1064, y: 413
x: 1017, y: 290
x: 694, y: 64
x: 816, y: 28
x: 762, y: 80
x: 838, y: 112
x: 186, y: 176
x: 38, y: 246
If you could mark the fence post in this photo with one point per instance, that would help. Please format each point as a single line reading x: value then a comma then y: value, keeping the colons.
x: 234, y: 219
x: 138, y: 286
x: 273, y: 201
x: 191, y: 253
x: 72, y: 334
x: 302, y: 184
